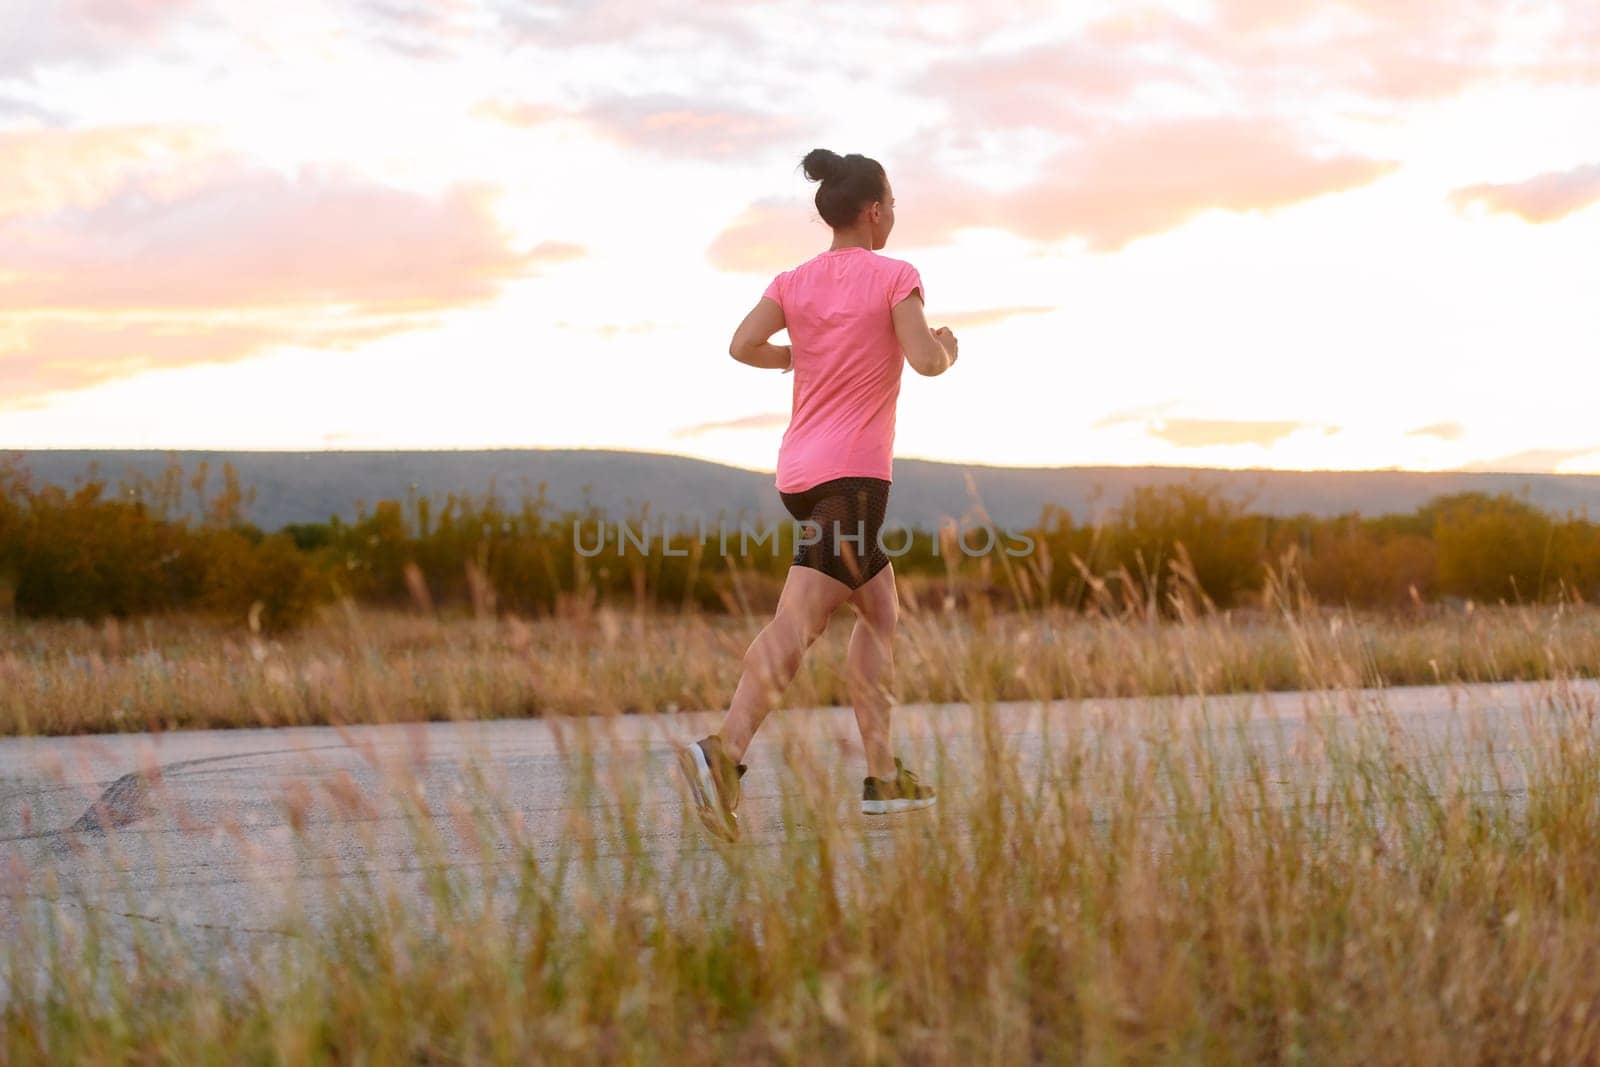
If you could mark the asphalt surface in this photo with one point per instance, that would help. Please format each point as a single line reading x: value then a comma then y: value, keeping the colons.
x: 220, y: 834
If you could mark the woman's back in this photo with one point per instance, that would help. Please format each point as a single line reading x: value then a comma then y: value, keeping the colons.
x: 847, y: 364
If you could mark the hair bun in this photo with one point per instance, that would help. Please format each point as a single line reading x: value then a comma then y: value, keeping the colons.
x: 823, y: 165
x: 849, y: 183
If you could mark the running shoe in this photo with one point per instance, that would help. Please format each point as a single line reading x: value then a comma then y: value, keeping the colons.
x: 901, y: 793
x: 714, y: 782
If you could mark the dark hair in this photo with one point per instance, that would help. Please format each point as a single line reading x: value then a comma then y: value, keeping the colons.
x: 849, y: 183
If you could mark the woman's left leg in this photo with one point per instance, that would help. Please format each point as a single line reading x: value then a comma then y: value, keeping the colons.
x: 808, y: 600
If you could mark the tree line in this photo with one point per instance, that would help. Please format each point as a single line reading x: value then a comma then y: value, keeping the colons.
x: 130, y: 548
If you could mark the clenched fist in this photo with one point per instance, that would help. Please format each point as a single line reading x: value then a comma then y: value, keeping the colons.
x: 945, y: 337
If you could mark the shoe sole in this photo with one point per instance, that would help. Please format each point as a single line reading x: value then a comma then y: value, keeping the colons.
x: 703, y: 786
x: 889, y: 807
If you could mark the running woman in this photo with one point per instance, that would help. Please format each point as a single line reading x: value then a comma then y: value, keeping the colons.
x: 854, y: 319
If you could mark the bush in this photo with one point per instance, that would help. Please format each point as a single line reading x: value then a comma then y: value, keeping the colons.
x: 88, y: 552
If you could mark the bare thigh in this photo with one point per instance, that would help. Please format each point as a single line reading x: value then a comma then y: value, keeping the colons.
x: 877, y: 601
x: 808, y: 600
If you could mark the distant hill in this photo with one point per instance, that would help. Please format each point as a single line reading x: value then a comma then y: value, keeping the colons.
x: 312, y: 486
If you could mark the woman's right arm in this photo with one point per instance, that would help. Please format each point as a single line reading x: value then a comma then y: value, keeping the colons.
x: 929, y: 352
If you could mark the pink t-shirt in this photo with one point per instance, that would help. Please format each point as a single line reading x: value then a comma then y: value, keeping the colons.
x: 847, y: 364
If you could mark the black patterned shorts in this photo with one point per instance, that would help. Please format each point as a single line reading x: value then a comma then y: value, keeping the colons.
x: 848, y: 513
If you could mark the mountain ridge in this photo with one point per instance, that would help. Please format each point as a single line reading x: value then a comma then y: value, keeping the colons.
x: 293, y: 486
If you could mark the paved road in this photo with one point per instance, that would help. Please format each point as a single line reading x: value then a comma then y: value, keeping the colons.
x: 217, y: 832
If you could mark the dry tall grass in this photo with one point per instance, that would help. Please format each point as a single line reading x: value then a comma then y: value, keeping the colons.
x: 1147, y: 889
x: 363, y: 666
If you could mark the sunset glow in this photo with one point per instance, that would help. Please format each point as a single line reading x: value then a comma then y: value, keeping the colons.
x: 1330, y: 235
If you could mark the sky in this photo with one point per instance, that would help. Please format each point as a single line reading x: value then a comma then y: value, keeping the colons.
x: 1341, y: 234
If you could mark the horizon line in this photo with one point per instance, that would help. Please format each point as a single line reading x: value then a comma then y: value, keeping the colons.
x: 765, y: 470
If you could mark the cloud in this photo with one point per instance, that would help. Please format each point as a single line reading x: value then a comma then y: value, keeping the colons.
x: 644, y: 28
x: 61, y: 32
x: 1047, y: 86
x: 612, y: 329
x: 1542, y: 198
x: 958, y: 320
x: 525, y: 113
x: 665, y: 124
x: 765, y: 421
x: 51, y: 355
x: 417, y: 29
x: 1240, y: 60
x: 1205, y: 433
x: 1532, y: 461
x: 1134, y: 415
x: 52, y: 168
x: 1126, y: 182
x: 13, y: 106
x: 768, y: 235
x: 138, y: 17
x: 1135, y: 181
x: 128, y: 267
x: 1384, y: 52
x: 1444, y: 431
x: 548, y: 252
x: 1576, y: 59
x: 252, y: 238
x: 679, y: 126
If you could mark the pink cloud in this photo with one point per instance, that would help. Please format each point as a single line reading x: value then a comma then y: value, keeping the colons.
x: 1385, y: 50
x: 1140, y: 180
x: 254, y: 239
x: 1048, y: 86
x: 1380, y: 53
x: 666, y: 125
x: 1339, y: 16
x: 931, y: 207
x: 1542, y: 198
x: 645, y: 28
x: 50, y: 355
x: 1128, y: 181
x: 1580, y: 31
x: 679, y: 126
x: 131, y: 16
x: 122, y: 266
x: 769, y: 235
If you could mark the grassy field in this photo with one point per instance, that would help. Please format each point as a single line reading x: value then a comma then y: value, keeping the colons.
x: 1153, y: 891
x: 363, y: 666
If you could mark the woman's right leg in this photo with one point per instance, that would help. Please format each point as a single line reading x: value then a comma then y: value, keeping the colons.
x: 808, y: 599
